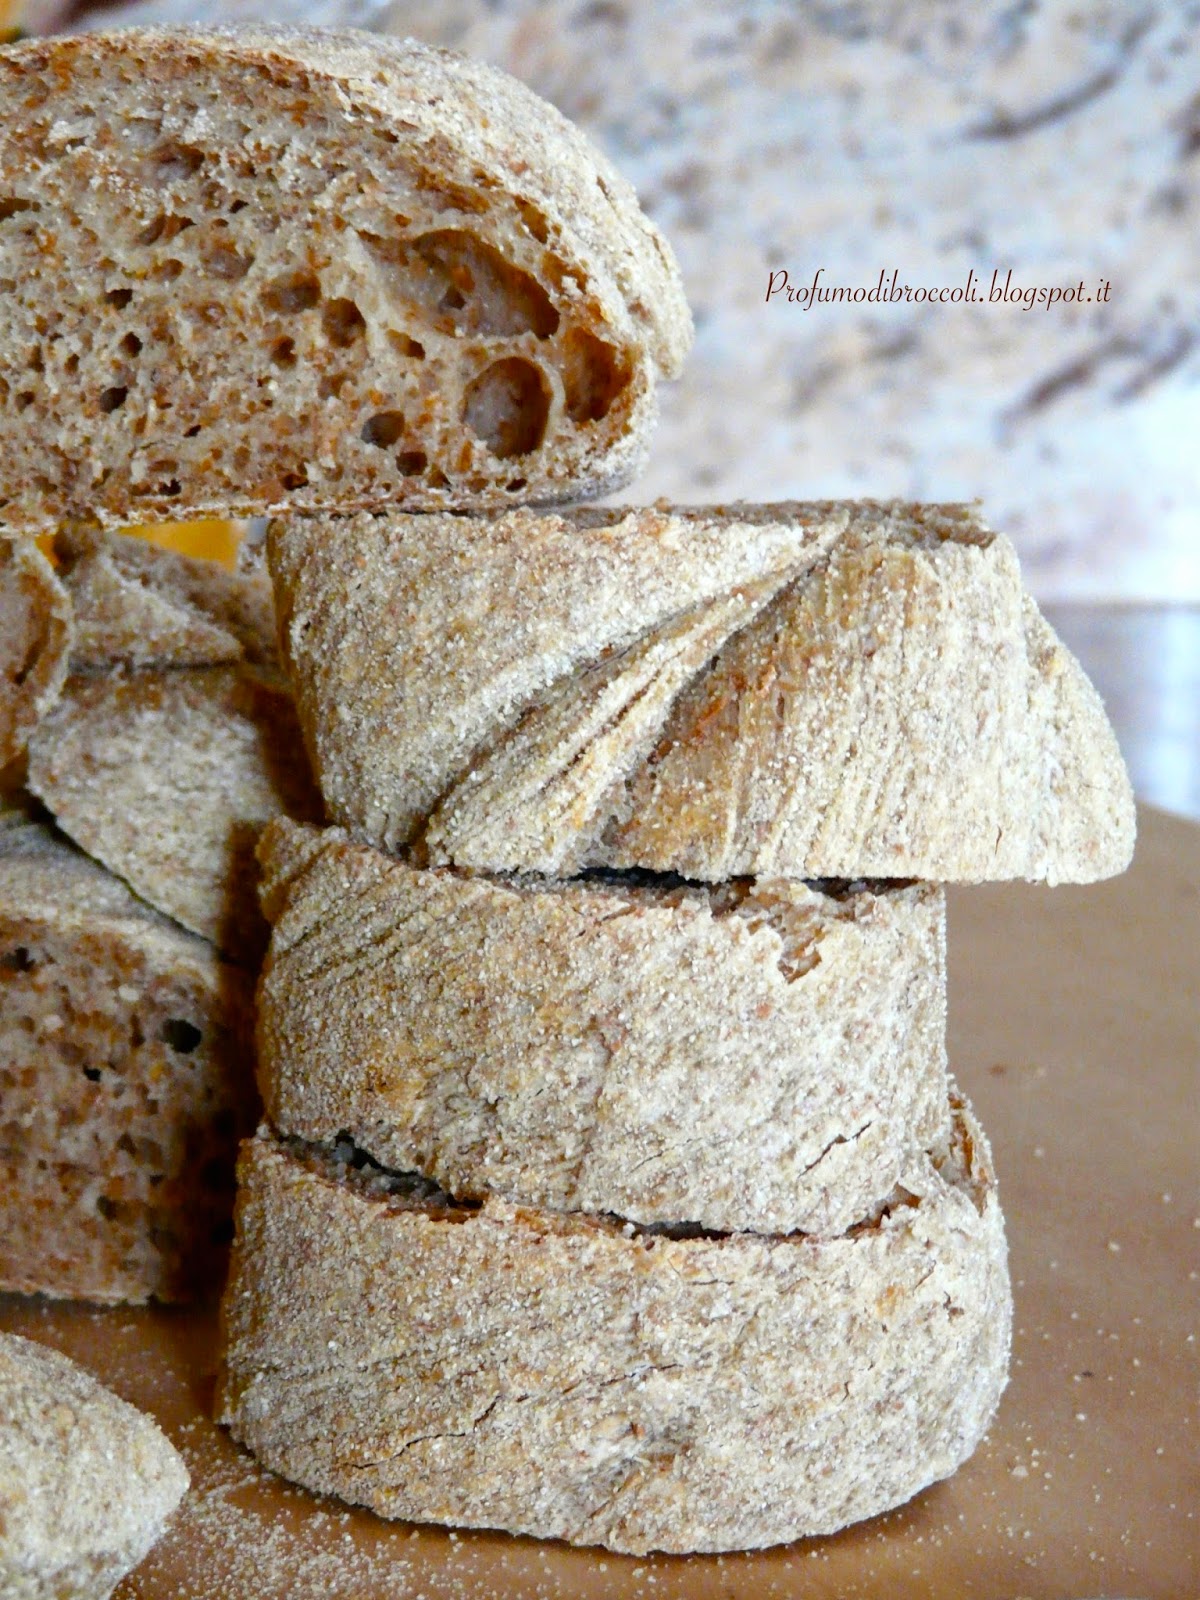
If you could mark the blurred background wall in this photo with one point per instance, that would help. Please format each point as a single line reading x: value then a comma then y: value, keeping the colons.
x: 1054, y: 141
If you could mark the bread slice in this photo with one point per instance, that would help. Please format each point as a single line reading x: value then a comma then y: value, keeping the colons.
x: 303, y: 270
x: 87, y: 1482
x: 126, y: 1079
x: 175, y: 737
x: 801, y: 691
x: 35, y: 636
x: 581, y: 1378
x: 763, y: 1056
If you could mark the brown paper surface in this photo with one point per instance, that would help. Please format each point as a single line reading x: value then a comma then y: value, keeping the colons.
x: 1075, y: 1029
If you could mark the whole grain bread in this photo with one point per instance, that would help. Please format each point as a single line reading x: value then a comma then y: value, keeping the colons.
x: 126, y: 1080
x: 804, y: 691
x: 174, y: 738
x: 577, y: 1377
x: 87, y: 1482
x: 763, y: 1056
x: 304, y: 270
x: 35, y: 636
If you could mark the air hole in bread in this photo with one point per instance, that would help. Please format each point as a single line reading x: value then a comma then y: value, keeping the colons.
x: 14, y: 205
x: 169, y: 270
x: 17, y: 960
x: 473, y: 277
x: 174, y: 162
x: 383, y: 429
x: 507, y: 406
x: 181, y: 1035
x: 343, y: 323
x: 412, y: 462
x: 222, y: 260
x: 167, y: 225
x: 283, y: 352
x: 119, y: 298
x: 535, y: 220
x: 594, y: 374
x: 131, y: 345
x: 106, y: 1207
x: 92, y: 1074
x: 25, y: 399
x: 406, y: 346
x: 295, y: 479
x: 113, y: 399
x: 295, y: 291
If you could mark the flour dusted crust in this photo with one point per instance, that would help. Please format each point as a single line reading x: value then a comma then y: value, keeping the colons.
x: 127, y: 1077
x: 295, y: 270
x: 35, y: 636
x: 574, y: 1377
x: 174, y: 739
x: 804, y: 691
x: 87, y: 1482
x: 764, y: 1056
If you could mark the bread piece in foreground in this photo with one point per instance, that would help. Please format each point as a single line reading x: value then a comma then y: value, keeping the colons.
x: 763, y: 1056
x: 304, y: 270
x: 174, y: 739
x: 580, y: 1378
x: 832, y: 690
x: 126, y: 1080
x: 35, y: 636
x: 87, y: 1482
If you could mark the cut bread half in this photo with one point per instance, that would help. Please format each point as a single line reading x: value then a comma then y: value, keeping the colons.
x: 87, y: 1482
x: 127, y: 1078
x: 764, y: 1056
x: 836, y: 690
x: 578, y: 1377
x: 174, y: 739
x: 35, y: 637
x: 281, y: 268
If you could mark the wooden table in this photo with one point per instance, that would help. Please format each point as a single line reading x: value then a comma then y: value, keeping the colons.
x: 1075, y: 1028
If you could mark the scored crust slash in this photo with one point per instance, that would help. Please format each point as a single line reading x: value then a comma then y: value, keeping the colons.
x: 611, y: 1183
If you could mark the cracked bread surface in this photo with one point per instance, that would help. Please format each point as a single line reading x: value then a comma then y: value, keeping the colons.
x: 290, y: 269
x: 87, y: 1482
x: 827, y: 690
x: 127, y: 1078
x: 576, y: 1377
x: 174, y: 738
x: 35, y: 637
x: 764, y: 1056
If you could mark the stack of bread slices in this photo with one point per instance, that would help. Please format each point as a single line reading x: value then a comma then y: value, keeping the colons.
x: 612, y: 1186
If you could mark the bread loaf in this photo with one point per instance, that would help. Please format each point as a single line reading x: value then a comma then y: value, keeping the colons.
x: 581, y: 1378
x: 126, y: 1080
x: 35, y: 635
x: 303, y: 270
x: 800, y: 691
x: 87, y: 1482
x: 763, y: 1056
x: 174, y: 738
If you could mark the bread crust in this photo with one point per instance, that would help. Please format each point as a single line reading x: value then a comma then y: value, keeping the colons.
x: 572, y: 1377
x: 174, y: 739
x: 35, y: 638
x: 127, y: 1075
x: 272, y: 202
x: 765, y: 1057
x: 87, y: 1482
x: 803, y: 691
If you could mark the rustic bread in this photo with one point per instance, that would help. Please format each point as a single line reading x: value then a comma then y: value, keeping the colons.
x: 801, y: 691
x: 87, y: 1482
x: 297, y: 270
x: 126, y: 1078
x: 578, y: 1377
x: 35, y: 636
x: 763, y: 1056
x: 174, y: 738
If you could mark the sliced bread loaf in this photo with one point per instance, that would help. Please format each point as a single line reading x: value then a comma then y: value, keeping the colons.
x: 87, y: 1482
x: 174, y: 738
x: 801, y: 691
x: 35, y: 636
x: 581, y: 1378
x: 126, y: 1080
x: 764, y: 1056
x: 301, y: 270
